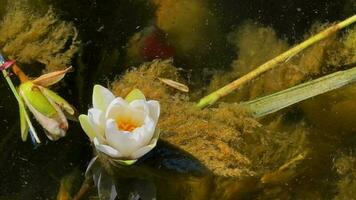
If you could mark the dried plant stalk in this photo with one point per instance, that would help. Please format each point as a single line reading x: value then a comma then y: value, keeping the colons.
x: 227, y: 89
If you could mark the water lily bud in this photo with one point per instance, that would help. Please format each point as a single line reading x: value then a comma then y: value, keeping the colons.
x: 123, y: 129
x: 46, y: 106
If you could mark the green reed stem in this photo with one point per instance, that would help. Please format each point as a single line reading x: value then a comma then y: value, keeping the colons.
x: 227, y: 89
x: 12, y: 86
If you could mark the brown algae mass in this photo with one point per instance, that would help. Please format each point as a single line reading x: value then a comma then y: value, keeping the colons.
x: 256, y: 44
x: 345, y: 168
x: 29, y: 36
x: 225, y: 138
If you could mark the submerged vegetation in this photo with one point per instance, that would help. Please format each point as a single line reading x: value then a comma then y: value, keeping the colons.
x: 29, y: 36
x: 219, y: 152
x: 225, y: 139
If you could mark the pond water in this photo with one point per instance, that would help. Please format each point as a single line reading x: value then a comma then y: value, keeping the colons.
x: 104, y: 30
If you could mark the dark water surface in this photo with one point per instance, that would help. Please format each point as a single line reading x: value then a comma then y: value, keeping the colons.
x: 104, y: 28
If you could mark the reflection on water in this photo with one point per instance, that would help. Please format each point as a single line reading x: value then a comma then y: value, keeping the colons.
x: 166, y: 172
x: 104, y: 30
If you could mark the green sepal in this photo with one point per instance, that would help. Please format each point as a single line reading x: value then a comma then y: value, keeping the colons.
x: 58, y: 100
x: 34, y: 96
x: 86, y: 126
x: 23, y: 123
x: 135, y: 94
x: 126, y: 162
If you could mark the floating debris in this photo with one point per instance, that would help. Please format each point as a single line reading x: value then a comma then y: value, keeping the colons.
x: 174, y: 84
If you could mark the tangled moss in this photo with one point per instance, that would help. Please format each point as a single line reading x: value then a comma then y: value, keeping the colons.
x: 27, y: 36
x: 345, y: 167
x: 335, y: 111
x: 257, y: 44
x: 225, y: 139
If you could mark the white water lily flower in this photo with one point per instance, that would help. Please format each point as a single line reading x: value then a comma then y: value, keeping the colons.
x: 123, y: 129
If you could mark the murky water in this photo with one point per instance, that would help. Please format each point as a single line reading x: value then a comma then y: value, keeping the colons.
x: 104, y: 30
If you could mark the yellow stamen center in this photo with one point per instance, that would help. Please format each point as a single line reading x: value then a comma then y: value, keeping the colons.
x: 126, y: 125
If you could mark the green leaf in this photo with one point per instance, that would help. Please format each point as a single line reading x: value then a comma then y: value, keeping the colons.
x: 34, y: 96
x: 58, y: 100
x: 86, y: 126
x: 23, y: 123
x: 135, y: 94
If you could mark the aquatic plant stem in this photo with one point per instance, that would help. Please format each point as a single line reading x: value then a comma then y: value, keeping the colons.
x: 21, y: 104
x: 11, y: 85
x: 227, y: 89
x: 277, y: 101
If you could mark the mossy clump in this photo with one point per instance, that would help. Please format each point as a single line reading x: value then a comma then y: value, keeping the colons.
x: 225, y: 138
x: 257, y: 44
x: 345, y: 167
x: 29, y: 37
x: 335, y: 110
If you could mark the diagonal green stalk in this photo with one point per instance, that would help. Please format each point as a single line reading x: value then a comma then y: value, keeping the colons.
x: 21, y: 104
x: 277, y: 101
x: 227, y: 89
x: 11, y: 85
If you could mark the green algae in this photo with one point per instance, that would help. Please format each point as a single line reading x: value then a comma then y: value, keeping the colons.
x: 34, y: 37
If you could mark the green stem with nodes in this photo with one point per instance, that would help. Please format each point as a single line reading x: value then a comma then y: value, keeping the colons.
x: 227, y: 89
x: 277, y: 101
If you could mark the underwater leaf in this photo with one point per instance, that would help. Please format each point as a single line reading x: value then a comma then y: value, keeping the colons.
x: 174, y: 84
x: 58, y: 100
x: 86, y: 126
x: 23, y: 123
x: 135, y: 94
x: 51, y: 78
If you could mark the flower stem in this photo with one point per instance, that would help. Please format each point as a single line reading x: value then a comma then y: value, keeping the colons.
x: 19, y: 100
x: 277, y: 101
x: 11, y: 85
x: 227, y: 89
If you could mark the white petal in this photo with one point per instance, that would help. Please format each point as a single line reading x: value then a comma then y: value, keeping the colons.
x: 102, y: 97
x: 97, y: 120
x: 108, y: 150
x: 154, y: 110
x: 120, y: 109
x: 142, y: 151
x: 123, y: 141
x: 115, y: 106
x: 147, y: 131
x: 139, y: 104
x: 141, y: 107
